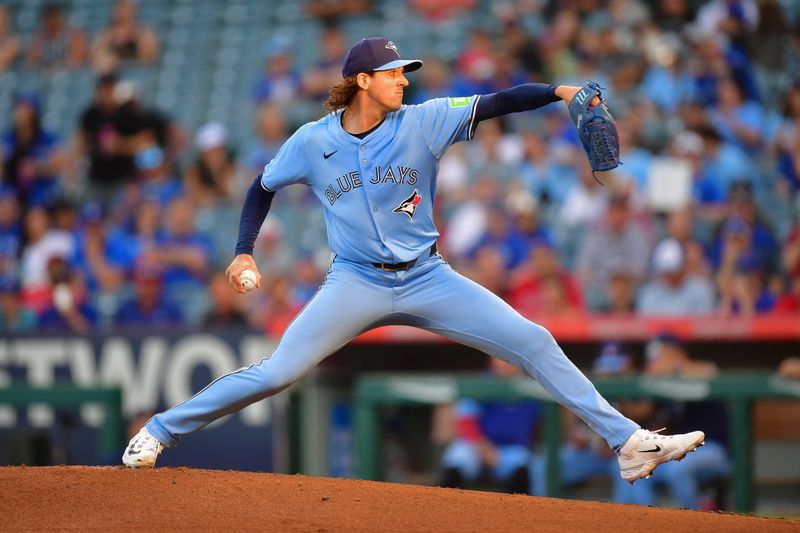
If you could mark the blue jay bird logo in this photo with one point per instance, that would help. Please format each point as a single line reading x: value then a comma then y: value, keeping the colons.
x: 391, y: 46
x: 409, y: 205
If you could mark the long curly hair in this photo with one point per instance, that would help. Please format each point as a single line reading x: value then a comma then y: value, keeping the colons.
x: 341, y: 95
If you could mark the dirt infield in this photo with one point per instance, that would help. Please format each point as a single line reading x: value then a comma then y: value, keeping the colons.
x: 117, y: 499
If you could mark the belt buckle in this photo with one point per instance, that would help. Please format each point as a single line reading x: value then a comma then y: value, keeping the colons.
x: 388, y: 267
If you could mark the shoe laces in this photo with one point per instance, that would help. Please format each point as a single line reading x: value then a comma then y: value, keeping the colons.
x: 145, y: 441
x: 654, y: 434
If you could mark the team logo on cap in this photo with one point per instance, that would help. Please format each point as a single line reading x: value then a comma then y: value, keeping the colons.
x: 409, y: 205
x: 391, y: 46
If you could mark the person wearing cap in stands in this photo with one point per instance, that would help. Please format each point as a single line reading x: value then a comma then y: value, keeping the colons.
x: 673, y: 291
x: 619, y: 241
x: 211, y: 175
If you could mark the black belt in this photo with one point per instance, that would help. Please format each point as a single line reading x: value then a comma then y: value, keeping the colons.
x: 395, y: 267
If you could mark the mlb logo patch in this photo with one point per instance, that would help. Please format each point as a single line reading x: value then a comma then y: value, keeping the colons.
x: 458, y: 101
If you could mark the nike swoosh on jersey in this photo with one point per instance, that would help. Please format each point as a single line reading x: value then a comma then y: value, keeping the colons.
x: 326, y: 156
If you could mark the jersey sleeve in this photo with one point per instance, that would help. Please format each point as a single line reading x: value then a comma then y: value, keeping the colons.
x: 446, y: 121
x: 289, y: 166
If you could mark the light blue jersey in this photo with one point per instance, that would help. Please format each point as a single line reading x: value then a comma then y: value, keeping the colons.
x: 377, y: 191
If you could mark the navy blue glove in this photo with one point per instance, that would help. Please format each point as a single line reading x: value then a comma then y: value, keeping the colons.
x: 596, y: 128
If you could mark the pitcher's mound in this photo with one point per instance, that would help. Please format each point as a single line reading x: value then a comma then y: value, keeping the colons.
x: 116, y: 498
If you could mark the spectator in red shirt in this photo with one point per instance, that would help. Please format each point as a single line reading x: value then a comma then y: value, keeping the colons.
x: 791, y: 253
x: 280, y: 310
x: 542, y: 285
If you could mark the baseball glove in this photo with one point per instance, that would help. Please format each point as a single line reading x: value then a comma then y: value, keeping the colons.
x: 596, y: 128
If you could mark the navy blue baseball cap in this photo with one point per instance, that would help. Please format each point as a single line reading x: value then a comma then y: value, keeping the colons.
x: 376, y: 53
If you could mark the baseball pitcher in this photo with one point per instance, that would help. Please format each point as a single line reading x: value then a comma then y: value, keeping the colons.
x: 372, y: 162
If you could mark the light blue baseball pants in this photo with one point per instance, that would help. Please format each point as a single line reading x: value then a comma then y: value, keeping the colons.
x: 431, y: 295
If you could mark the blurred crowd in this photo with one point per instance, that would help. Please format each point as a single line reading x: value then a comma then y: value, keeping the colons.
x: 130, y: 222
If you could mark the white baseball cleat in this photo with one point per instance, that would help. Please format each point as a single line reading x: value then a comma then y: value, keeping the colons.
x: 645, y: 450
x: 142, y: 450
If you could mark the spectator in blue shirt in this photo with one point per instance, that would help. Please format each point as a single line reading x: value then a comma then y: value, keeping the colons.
x: 637, y: 160
x: 435, y: 82
x: 548, y: 170
x: 31, y: 159
x: 280, y: 83
x: 10, y: 233
x: 307, y: 278
x: 737, y: 120
x: 148, y: 310
x: 744, y: 233
x: 491, y: 438
x: 667, y: 85
x: 101, y: 262
x: 181, y: 249
x: 14, y: 317
x: 155, y: 181
x: 185, y: 256
x: 136, y: 240
x: 724, y: 163
x: 271, y: 128
x: 512, y: 238
x: 476, y: 65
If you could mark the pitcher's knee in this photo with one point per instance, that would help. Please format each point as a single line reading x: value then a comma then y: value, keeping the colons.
x: 541, y: 335
x: 520, y: 333
x: 274, y: 376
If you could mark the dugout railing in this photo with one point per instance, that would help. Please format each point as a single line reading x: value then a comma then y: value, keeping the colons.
x: 110, y: 433
x: 740, y: 390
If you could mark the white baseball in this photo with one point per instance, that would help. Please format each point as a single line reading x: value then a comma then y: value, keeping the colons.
x: 248, y: 279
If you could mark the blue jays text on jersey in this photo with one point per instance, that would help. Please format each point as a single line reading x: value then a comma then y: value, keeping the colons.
x: 362, y: 183
x: 352, y: 180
